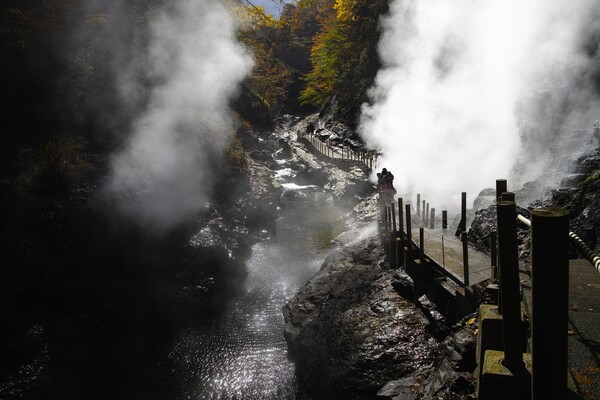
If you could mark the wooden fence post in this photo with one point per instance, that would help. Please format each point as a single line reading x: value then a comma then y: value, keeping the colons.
x: 422, y: 245
x: 550, y: 302
x: 511, y: 298
x: 444, y: 219
x: 393, y: 239
x: 501, y: 187
x: 463, y: 237
x: 462, y: 226
x: 508, y: 196
x: 408, y: 225
x: 494, y: 255
x: 400, y: 215
x: 432, y: 219
x: 418, y: 204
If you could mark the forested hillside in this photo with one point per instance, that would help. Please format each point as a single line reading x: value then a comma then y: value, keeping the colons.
x: 316, y: 49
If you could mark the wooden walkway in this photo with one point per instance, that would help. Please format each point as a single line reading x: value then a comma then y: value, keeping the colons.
x: 446, y: 250
x: 368, y: 157
x: 584, y: 326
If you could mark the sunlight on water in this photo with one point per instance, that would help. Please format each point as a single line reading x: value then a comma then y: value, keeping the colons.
x: 243, y: 354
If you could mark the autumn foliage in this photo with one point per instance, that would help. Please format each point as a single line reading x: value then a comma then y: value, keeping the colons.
x: 317, y: 48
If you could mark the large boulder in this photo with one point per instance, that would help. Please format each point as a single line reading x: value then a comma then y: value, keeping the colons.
x: 350, y: 332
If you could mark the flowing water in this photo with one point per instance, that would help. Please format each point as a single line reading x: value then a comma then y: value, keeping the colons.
x: 243, y: 353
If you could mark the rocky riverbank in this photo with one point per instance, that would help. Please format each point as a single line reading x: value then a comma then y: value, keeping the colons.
x: 354, y: 336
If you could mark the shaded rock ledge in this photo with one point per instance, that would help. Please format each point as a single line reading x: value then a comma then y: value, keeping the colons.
x: 354, y: 336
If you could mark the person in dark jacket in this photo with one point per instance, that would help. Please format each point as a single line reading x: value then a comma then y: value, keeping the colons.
x: 388, y: 179
x: 385, y: 181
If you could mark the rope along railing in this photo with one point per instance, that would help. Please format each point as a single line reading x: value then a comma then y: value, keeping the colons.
x: 583, y: 248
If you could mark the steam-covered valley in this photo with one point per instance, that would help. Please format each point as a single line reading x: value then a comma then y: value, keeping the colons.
x: 168, y: 233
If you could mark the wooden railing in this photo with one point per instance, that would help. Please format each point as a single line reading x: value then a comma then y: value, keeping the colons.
x: 536, y: 368
x: 368, y: 157
x: 451, y: 257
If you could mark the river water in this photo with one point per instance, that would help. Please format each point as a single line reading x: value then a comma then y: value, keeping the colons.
x: 243, y: 354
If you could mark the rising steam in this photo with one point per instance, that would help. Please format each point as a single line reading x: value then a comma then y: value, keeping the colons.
x: 469, y: 87
x: 195, y: 65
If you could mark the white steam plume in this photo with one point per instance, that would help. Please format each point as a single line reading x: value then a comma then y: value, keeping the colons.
x: 460, y: 94
x: 195, y: 65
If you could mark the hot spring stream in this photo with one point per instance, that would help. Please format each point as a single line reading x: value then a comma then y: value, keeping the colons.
x: 243, y: 354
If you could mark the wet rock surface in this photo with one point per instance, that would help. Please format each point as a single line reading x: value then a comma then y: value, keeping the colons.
x: 354, y: 336
x: 350, y: 331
